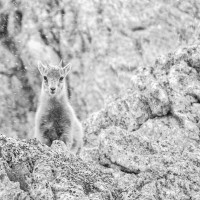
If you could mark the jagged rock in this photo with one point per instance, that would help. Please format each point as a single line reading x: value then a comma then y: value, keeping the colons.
x: 159, y: 154
x: 129, y: 111
x: 29, y: 170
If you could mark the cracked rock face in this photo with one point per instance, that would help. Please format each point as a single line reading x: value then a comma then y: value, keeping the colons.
x: 151, y: 134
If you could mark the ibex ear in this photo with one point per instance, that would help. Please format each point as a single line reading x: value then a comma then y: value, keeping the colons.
x: 42, y: 68
x: 65, y: 70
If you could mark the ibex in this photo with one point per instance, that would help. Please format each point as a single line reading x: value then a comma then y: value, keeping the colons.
x: 55, y: 118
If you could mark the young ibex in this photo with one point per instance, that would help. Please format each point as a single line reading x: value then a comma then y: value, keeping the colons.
x: 55, y: 118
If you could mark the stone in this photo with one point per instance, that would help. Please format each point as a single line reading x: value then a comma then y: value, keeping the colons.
x: 30, y: 170
x: 158, y: 157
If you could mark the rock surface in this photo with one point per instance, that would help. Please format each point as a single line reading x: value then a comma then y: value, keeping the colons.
x: 106, y: 42
x: 29, y: 170
x: 151, y: 134
x: 142, y: 145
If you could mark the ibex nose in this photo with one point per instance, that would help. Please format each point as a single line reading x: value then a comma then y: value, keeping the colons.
x: 52, y: 89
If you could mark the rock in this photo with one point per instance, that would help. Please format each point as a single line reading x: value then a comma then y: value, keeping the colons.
x: 106, y: 44
x: 158, y: 157
x: 29, y: 170
x: 142, y: 145
x: 129, y: 111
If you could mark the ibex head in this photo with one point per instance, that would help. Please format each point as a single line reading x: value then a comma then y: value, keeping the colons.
x: 53, y: 77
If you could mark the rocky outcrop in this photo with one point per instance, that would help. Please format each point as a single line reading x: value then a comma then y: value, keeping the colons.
x: 141, y: 145
x: 29, y: 170
x: 106, y: 42
x: 152, y: 133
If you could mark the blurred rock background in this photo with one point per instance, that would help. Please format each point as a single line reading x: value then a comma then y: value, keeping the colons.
x: 106, y: 41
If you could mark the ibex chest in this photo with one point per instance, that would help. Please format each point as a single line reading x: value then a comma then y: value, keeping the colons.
x: 55, y: 110
x: 56, y: 116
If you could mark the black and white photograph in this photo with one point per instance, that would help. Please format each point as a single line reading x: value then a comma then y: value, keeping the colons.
x: 99, y: 99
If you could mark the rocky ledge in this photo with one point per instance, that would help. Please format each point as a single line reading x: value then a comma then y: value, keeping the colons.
x: 145, y: 144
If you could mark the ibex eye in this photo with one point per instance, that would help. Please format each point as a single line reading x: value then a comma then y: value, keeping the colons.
x: 45, y: 78
x: 61, y: 78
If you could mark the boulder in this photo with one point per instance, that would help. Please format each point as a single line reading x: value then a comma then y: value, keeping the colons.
x: 151, y: 134
x: 30, y: 170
